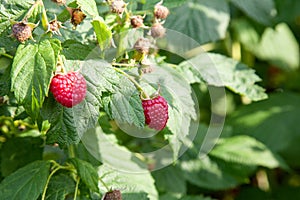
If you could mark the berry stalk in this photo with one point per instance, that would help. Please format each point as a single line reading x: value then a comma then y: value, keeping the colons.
x: 7, y: 55
x: 56, y: 167
x: 76, y: 187
x: 136, y: 84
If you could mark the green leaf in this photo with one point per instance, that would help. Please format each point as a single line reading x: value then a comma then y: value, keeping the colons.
x: 170, y: 179
x: 218, y: 70
x: 5, y: 62
x: 245, y: 150
x: 204, y: 21
x: 59, y: 187
x: 27, y: 182
x: 249, y: 193
x: 283, y: 53
x: 19, y: 3
x: 31, y: 73
x: 190, y: 73
x: 68, y: 124
x: 5, y: 82
x: 99, y: 74
x: 126, y: 39
x: 131, y: 184
x: 264, y: 121
x: 103, y: 33
x: 63, y: 128
x: 126, y: 105
x: 104, y: 147
x: 12, y: 10
x: 88, y: 6
x: 207, y: 173
x: 82, y: 153
x: 18, y: 152
x: 286, y: 192
x: 74, y: 50
x: 287, y: 11
x: 261, y: 11
x: 87, y: 173
x: 9, y: 43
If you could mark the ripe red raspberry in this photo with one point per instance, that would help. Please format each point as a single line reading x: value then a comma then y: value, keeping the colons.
x: 161, y: 12
x: 21, y: 31
x: 156, y: 112
x: 113, y: 195
x: 68, y: 89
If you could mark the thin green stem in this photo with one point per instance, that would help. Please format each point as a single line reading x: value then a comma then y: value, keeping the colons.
x: 55, y: 167
x: 71, y: 151
x: 136, y: 84
x: 103, y: 183
x: 76, y: 188
x: 124, y: 64
x: 7, y: 55
x: 48, y: 180
x: 143, y: 12
x: 60, y: 65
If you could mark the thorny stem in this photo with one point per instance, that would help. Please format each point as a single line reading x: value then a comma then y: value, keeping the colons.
x: 136, y: 84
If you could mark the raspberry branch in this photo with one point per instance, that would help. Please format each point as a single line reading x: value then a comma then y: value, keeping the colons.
x: 136, y: 84
x: 55, y: 168
x: 104, y: 184
x: 7, y: 55
x: 76, y: 187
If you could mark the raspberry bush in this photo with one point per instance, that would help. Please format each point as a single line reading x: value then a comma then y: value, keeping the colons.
x: 123, y: 99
